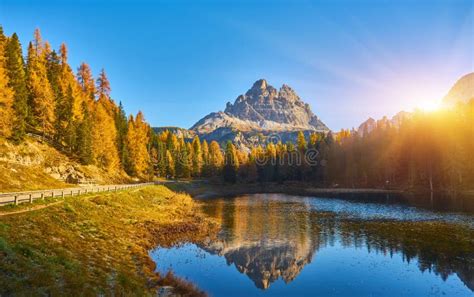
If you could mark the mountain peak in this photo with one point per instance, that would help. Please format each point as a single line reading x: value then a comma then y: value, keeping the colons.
x: 264, y: 108
x: 260, y: 84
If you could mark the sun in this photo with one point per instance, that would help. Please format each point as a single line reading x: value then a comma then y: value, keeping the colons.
x: 429, y: 105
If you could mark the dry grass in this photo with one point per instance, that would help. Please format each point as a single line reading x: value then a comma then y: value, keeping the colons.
x: 16, y: 177
x: 97, y: 244
x: 22, y: 167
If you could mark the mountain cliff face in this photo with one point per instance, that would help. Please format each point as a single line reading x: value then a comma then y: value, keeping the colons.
x: 462, y: 91
x: 262, y: 112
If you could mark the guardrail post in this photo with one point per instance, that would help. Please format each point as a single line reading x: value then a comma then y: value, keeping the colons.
x: 16, y: 200
x: 31, y: 198
x: 52, y: 194
x: 62, y: 194
x: 78, y: 192
x: 71, y: 193
x: 42, y: 196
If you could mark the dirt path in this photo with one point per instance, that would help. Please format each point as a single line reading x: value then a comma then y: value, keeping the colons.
x: 32, y: 208
x: 42, y: 206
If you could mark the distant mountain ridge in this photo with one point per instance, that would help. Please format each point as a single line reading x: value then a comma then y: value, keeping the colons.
x: 462, y: 91
x: 370, y: 124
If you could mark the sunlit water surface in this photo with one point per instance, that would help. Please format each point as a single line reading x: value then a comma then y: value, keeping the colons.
x: 283, y: 245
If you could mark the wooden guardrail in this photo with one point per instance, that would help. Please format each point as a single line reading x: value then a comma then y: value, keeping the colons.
x: 30, y: 196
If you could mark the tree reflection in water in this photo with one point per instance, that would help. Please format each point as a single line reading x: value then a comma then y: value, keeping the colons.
x: 268, y: 237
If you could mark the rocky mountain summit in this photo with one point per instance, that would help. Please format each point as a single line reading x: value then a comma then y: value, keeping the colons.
x: 263, y: 108
x: 262, y: 111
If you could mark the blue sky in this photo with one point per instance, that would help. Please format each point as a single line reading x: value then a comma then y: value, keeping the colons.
x: 180, y: 60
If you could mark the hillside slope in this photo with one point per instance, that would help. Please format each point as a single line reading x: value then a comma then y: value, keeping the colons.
x: 35, y: 165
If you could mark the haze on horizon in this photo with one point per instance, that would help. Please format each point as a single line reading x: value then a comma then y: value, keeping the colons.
x: 177, y: 62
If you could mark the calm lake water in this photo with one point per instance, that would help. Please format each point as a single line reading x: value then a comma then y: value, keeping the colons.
x: 283, y: 245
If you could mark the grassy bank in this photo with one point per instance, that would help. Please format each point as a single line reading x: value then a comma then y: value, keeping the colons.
x: 97, y: 244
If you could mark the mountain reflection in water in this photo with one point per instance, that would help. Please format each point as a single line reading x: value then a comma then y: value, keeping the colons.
x: 265, y: 239
x: 273, y: 236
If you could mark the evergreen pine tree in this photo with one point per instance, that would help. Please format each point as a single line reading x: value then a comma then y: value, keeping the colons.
x: 17, y: 82
x: 65, y: 125
x: 121, y: 125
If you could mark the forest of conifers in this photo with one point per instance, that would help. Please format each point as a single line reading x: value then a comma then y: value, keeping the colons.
x: 40, y: 93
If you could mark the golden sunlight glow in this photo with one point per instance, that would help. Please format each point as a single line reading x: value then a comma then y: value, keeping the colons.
x: 429, y: 105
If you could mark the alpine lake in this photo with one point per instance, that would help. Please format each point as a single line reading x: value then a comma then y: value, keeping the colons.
x: 338, y: 245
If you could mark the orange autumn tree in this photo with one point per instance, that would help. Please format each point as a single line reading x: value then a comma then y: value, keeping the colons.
x: 104, y: 147
x: 67, y: 80
x: 41, y: 96
x: 104, y: 134
x: 6, y: 94
x: 86, y: 82
x: 138, y: 137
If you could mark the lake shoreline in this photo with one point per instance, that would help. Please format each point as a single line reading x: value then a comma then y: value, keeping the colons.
x: 100, y: 243
x: 204, y: 189
x: 207, y: 189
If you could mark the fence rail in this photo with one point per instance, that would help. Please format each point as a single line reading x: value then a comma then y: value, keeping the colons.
x: 30, y: 196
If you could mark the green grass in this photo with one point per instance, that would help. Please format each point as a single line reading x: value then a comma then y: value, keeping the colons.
x: 97, y: 244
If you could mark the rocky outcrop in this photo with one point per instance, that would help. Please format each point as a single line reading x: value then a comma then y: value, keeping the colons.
x: 180, y: 132
x: 396, y: 121
x: 367, y: 127
x: 68, y: 173
x: 38, y: 162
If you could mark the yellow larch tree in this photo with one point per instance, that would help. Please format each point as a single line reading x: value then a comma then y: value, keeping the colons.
x: 86, y: 82
x: 41, y: 96
x: 68, y: 82
x: 6, y: 94
x: 137, y: 142
x: 104, y: 136
x: 216, y: 159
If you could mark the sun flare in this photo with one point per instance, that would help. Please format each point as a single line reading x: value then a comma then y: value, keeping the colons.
x: 429, y: 105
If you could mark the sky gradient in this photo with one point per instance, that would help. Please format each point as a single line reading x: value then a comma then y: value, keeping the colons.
x: 177, y: 61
